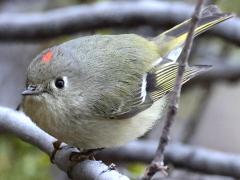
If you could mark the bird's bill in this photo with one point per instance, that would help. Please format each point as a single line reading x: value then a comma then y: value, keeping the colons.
x: 31, y: 90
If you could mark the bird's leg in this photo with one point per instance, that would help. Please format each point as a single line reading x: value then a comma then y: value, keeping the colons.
x: 56, y: 146
x: 84, y: 154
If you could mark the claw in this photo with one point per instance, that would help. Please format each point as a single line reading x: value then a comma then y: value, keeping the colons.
x: 84, y: 155
x: 78, y: 156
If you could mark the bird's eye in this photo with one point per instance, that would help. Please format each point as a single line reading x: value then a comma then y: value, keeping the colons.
x: 59, y: 83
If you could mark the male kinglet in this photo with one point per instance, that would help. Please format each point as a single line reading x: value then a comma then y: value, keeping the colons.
x: 106, y: 90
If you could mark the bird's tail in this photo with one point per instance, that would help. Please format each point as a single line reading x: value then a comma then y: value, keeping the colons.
x: 176, y: 36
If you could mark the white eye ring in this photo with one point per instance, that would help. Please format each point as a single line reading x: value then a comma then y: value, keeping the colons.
x: 61, y: 82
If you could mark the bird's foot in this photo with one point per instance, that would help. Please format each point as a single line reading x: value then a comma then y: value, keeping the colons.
x: 57, y: 146
x: 157, y: 167
x: 84, y: 155
x: 112, y: 166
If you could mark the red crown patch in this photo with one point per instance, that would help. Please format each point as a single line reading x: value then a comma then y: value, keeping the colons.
x: 47, y: 57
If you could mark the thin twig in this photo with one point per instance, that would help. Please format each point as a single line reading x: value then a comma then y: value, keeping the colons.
x: 158, y: 162
x: 70, y: 20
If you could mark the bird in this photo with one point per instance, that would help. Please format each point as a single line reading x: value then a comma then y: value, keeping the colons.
x: 104, y: 91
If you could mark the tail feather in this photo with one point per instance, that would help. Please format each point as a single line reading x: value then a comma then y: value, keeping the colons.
x: 176, y: 36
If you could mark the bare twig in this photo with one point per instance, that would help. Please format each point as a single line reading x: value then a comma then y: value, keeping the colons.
x: 158, y: 162
x: 182, y: 156
x: 54, y: 23
x: 20, y: 125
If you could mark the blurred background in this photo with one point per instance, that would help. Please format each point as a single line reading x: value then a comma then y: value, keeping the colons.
x: 209, y: 112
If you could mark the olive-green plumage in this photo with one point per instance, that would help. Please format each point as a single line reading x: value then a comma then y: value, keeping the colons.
x: 105, y: 90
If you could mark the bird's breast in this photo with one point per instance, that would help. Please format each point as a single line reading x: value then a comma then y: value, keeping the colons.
x: 93, y: 133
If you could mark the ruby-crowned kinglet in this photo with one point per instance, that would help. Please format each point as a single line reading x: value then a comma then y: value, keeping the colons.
x: 105, y: 90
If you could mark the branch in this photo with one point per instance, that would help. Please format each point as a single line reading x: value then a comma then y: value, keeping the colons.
x: 182, y: 156
x: 69, y: 20
x: 20, y: 125
x: 197, y: 159
x: 157, y: 163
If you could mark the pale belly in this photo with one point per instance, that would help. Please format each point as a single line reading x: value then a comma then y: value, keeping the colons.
x: 87, y: 133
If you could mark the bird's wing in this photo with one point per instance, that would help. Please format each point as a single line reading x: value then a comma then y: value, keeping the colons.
x: 155, y: 84
x: 172, y: 41
x: 161, y: 79
x: 122, y: 103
